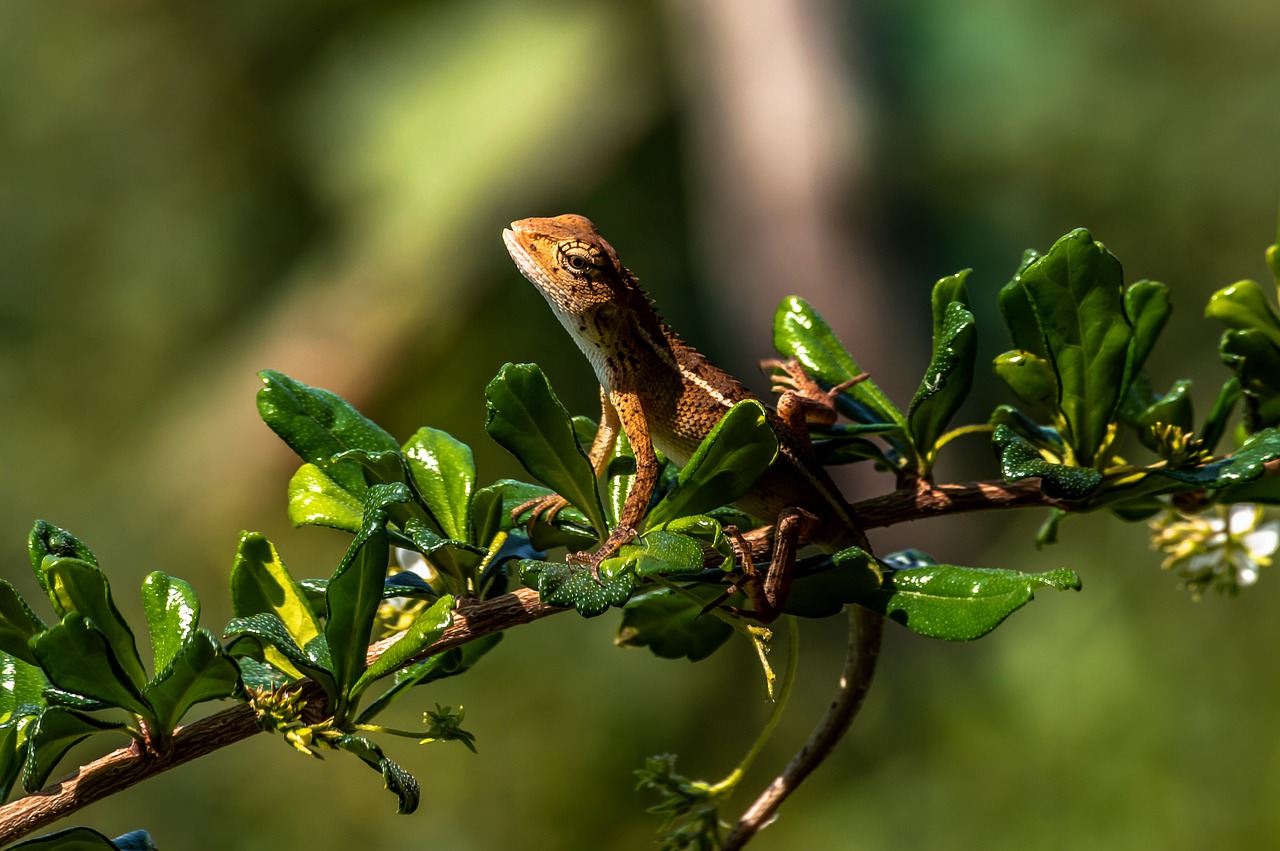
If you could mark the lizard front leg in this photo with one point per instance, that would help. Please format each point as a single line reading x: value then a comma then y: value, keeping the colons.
x: 801, y: 402
x: 547, y: 507
x: 627, y: 408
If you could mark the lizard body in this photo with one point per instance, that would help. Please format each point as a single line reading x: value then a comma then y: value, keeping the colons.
x: 665, y: 395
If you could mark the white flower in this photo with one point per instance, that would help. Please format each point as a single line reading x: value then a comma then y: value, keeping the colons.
x: 1224, y: 550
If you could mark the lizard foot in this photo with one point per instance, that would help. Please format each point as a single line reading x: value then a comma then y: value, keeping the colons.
x: 544, y: 507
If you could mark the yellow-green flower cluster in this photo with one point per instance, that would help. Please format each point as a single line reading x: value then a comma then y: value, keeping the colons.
x: 1222, y: 549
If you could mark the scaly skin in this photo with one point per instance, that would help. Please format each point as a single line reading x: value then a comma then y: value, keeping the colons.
x: 665, y: 395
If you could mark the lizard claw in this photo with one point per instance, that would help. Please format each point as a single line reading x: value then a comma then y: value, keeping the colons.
x: 544, y: 507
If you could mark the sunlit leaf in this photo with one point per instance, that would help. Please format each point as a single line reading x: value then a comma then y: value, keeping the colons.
x: 17, y: 624
x: 421, y: 634
x: 444, y: 473
x: 315, y: 499
x: 260, y: 582
x: 48, y: 540
x: 450, y: 663
x: 173, y: 613
x: 79, y: 586
x: 200, y: 671
x: 252, y: 635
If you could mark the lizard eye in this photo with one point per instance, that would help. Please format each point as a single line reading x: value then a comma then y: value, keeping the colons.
x: 578, y: 259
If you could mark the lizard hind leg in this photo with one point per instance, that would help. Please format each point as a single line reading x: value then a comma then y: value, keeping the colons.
x: 768, y: 593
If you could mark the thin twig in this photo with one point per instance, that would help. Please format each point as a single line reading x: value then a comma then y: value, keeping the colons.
x: 865, y: 630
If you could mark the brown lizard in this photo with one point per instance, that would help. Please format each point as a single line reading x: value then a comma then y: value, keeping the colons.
x: 666, y: 396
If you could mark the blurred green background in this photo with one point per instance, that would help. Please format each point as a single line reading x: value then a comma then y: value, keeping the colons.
x: 190, y: 192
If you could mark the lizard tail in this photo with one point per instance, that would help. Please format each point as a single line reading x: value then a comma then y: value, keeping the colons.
x: 865, y: 630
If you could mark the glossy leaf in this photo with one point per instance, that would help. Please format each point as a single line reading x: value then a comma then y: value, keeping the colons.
x: 800, y: 332
x: 260, y: 582
x: 315, y: 499
x: 725, y: 465
x: 570, y: 529
x: 444, y: 472
x: 78, y: 658
x: 17, y: 624
x: 1028, y: 429
x: 78, y: 586
x: 199, y: 672
x: 317, y: 425
x: 54, y: 733
x: 1245, y: 465
x: 948, y: 379
x: 1029, y: 376
x: 13, y: 752
x: 253, y: 635
x: 173, y: 613
x: 656, y: 552
x: 447, y: 664
x: 1173, y: 408
x: 619, y: 473
x: 355, y: 590
x: 672, y: 625
x: 951, y: 288
x: 1019, y: 316
x: 1076, y: 291
x: 400, y: 782
x: 421, y: 634
x: 47, y: 540
x: 85, y: 839
x: 1243, y: 306
x: 526, y: 419
x: 1019, y: 459
x: 1215, y: 425
x: 22, y: 687
x: 960, y: 603
x: 572, y: 586
x: 486, y: 515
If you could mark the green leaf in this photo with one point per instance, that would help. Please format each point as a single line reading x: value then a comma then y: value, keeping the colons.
x: 425, y: 631
x: 444, y: 472
x: 78, y: 658
x: 1147, y: 306
x: 619, y: 473
x: 447, y: 664
x: 1173, y: 408
x: 22, y: 687
x: 526, y: 419
x: 47, y: 540
x: 656, y: 552
x: 1019, y: 459
x: 13, y: 752
x: 725, y: 465
x: 1215, y: 425
x: 355, y: 590
x: 79, y: 586
x: 948, y: 289
x: 1028, y: 429
x: 54, y: 733
x: 400, y: 782
x: 317, y: 425
x: 570, y: 529
x: 1247, y: 464
x: 317, y: 500
x: 1029, y: 376
x: 85, y: 839
x: 199, y: 671
x: 1020, y: 317
x: 173, y: 613
x: 1243, y: 306
x: 947, y: 381
x: 853, y: 575
x: 672, y: 625
x: 18, y: 624
x: 960, y: 603
x: 1256, y: 362
x: 1076, y: 291
x: 800, y: 333
x: 253, y: 635
x: 261, y: 583
x: 561, y: 584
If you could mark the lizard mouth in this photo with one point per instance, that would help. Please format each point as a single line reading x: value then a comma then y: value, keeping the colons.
x: 525, y: 263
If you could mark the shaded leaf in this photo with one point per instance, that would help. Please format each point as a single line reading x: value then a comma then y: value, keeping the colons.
x: 47, y: 540
x: 54, y: 733
x: 79, y: 586
x: 200, y: 671
x: 78, y: 658
x: 17, y: 624
x: 447, y: 664
x: 1173, y: 408
x: 252, y: 635
x: 960, y: 603
x: 85, y: 839
x: 1256, y: 362
x: 318, y: 425
x: 672, y: 625
x: 13, y: 752
x: 730, y: 459
x: 173, y: 613
x: 260, y: 582
x: 400, y: 782
x: 1215, y: 425
x: 1019, y: 459
x: 1147, y: 305
x: 1243, y: 306
x: 853, y: 575
x: 526, y: 419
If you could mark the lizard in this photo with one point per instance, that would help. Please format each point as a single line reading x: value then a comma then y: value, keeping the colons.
x: 665, y: 396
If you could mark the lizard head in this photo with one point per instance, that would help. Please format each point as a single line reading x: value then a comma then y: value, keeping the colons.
x: 569, y: 262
